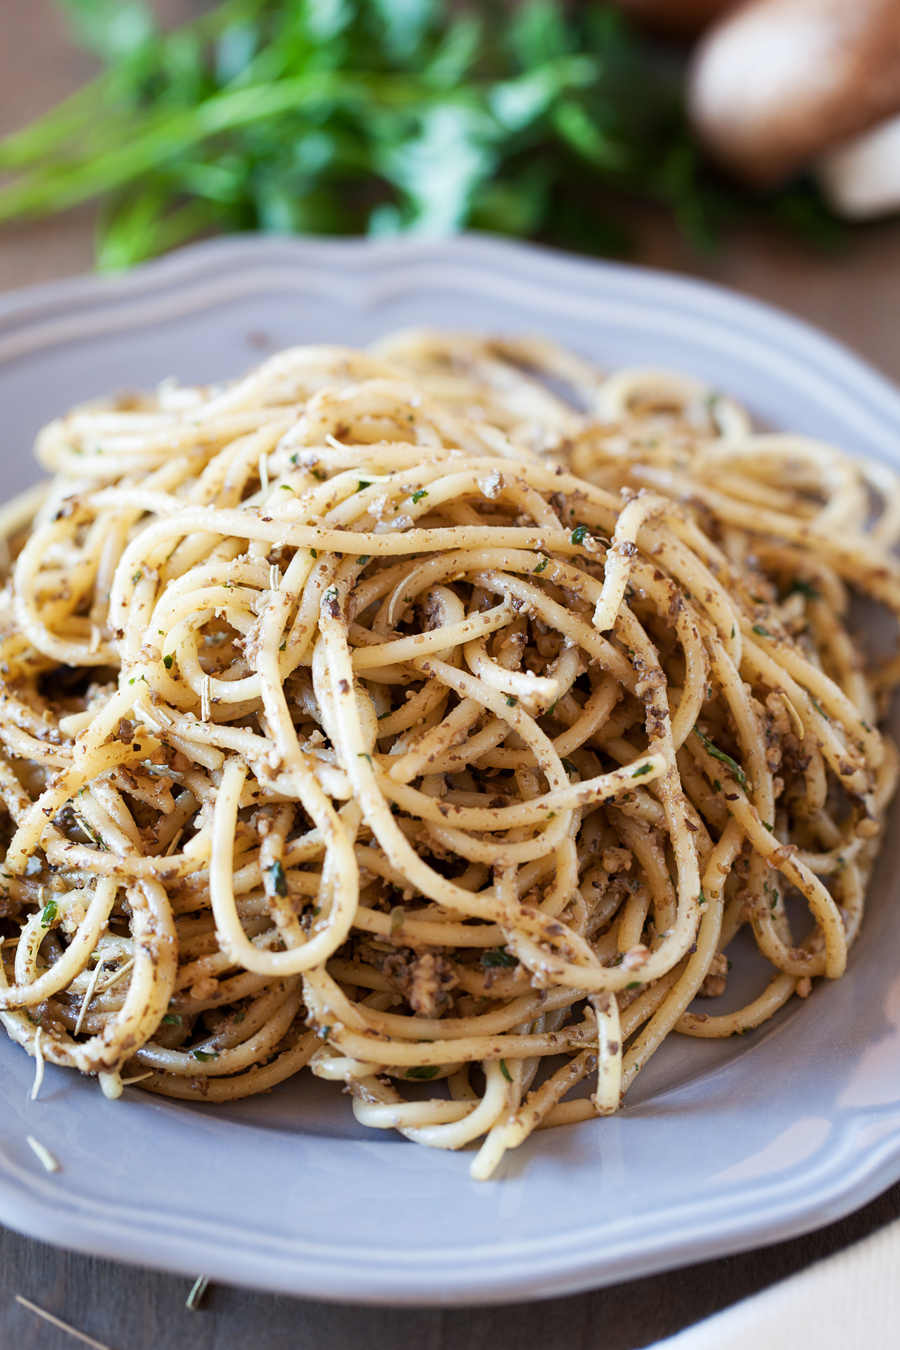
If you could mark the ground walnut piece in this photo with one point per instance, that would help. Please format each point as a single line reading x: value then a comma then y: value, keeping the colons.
x: 714, y: 984
x: 424, y: 980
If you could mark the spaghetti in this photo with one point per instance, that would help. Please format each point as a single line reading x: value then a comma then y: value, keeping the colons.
x: 438, y: 713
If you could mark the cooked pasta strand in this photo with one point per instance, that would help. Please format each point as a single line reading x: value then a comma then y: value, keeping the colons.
x: 447, y: 708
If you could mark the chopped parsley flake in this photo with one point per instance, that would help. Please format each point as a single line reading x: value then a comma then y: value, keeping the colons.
x: 423, y: 1071
x: 49, y: 913
x: 498, y: 956
x: 505, y: 1071
x: 417, y: 496
x: 167, y: 662
x: 645, y: 768
x: 720, y: 755
x: 541, y: 565
x: 277, y: 879
x: 579, y: 534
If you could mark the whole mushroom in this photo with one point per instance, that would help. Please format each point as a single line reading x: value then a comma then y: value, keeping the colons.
x: 777, y: 84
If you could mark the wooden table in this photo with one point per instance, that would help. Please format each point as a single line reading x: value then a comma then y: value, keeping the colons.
x: 856, y: 296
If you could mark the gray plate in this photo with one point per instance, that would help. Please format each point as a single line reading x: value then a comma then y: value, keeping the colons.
x: 723, y: 1145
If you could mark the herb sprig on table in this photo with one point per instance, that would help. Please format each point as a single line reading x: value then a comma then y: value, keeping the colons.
x: 372, y: 116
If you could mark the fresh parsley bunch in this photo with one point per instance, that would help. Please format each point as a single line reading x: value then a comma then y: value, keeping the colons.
x: 361, y: 116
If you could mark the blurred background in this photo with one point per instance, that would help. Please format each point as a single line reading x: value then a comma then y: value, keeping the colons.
x: 756, y: 144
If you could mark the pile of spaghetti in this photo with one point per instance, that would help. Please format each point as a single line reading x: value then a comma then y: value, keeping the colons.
x: 430, y: 716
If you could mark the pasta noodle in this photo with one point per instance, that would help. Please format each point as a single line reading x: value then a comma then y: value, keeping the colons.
x: 435, y: 713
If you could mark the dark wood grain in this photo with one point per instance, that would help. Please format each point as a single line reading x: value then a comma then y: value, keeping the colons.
x: 132, y: 1309
x: 855, y: 296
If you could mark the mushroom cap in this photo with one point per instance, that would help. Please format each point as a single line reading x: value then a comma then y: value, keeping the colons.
x: 776, y: 82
